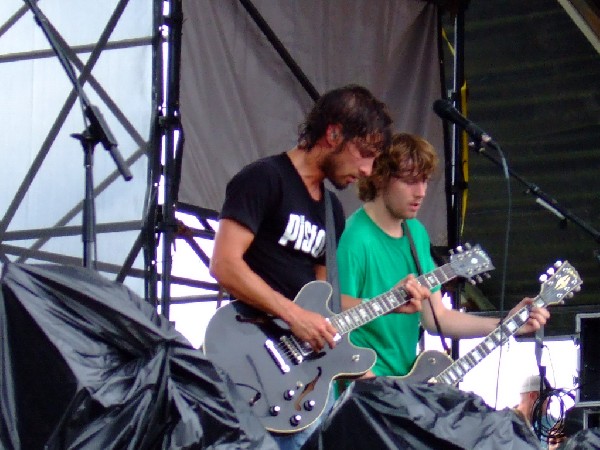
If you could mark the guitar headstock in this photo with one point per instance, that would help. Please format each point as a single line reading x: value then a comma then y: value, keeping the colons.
x: 562, y: 282
x: 471, y: 262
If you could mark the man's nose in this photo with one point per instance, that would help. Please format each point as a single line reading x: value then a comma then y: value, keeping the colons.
x: 366, y: 167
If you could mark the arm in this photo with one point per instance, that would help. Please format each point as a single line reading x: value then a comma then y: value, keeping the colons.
x: 456, y: 324
x: 228, y: 267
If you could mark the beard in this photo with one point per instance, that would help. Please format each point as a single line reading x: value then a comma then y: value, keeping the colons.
x: 329, y: 166
x: 396, y: 211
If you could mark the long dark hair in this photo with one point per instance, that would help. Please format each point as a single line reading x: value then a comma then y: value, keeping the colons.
x: 353, y: 107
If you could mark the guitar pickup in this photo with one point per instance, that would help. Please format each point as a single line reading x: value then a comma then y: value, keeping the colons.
x: 295, y: 351
x: 276, y: 356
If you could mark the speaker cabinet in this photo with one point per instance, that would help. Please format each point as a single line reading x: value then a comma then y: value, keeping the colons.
x: 588, y: 330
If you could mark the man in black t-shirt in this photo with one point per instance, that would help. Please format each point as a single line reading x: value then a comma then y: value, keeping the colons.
x: 271, y: 236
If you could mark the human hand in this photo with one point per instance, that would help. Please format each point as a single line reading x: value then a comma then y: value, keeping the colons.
x: 312, y: 328
x: 537, y: 316
x: 416, y: 292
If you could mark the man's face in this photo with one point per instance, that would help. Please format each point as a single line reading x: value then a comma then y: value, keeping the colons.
x: 351, y: 160
x: 404, y: 194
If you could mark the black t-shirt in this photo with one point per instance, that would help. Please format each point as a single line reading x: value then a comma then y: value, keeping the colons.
x: 269, y: 198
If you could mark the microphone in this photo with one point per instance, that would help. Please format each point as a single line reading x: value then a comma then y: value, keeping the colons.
x: 447, y: 111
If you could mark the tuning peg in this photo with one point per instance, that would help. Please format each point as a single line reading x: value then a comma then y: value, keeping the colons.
x: 468, y: 246
x: 577, y: 289
x: 550, y: 271
x: 543, y: 278
x: 451, y: 251
x: 479, y: 279
x: 558, y: 263
x: 472, y: 281
x: 487, y: 275
x: 459, y: 249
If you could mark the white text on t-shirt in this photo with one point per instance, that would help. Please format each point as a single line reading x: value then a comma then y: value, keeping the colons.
x: 307, y: 237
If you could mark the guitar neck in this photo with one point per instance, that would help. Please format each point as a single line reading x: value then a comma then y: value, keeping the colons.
x: 359, y: 315
x: 458, y: 369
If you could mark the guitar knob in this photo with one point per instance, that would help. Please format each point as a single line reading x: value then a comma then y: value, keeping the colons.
x: 289, y: 394
x: 309, y: 405
x: 295, y: 420
x: 274, y: 410
x: 468, y: 246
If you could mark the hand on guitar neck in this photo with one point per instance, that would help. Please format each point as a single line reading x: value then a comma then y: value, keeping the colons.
x: 538, y: 316
x: 417, y: 293
x: 317, y: 331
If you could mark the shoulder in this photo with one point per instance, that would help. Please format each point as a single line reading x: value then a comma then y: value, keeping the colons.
x: 269, y: 165
x: 358, y: 219
x: 266, y: 172
x: 417, y: 229
x: 416, y: 225
x: 356, y: 233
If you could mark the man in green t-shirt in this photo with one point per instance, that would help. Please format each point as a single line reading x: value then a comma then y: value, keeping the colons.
x: 374, y: 254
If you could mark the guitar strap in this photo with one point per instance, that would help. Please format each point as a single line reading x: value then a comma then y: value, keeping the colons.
x: 413, y: 250
x: 330, y: 256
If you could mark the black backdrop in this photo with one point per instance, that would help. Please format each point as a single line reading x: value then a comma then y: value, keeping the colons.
x: 533, y: 85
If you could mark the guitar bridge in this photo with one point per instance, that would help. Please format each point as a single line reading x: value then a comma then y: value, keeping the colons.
x: 276, y: 356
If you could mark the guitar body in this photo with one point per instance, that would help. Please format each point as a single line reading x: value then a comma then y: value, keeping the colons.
x: 428, y: 365
x: 260, y: 354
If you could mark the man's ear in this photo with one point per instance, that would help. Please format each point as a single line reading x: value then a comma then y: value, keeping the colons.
x: 334, y: 135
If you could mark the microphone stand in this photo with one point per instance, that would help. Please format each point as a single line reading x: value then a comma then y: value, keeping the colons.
x: 543, y: 199
x: 96, y: 131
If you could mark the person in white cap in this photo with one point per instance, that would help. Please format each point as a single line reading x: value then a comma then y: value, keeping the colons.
x: 530, y: 393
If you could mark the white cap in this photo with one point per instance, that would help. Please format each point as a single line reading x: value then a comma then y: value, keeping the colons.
x: 530, y: 384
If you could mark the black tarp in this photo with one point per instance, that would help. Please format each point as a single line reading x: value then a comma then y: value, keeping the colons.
x: 588, y: 439
x: 387, y: 413
x: 86, y: 364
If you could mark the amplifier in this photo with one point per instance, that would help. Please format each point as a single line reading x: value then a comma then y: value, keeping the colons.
x: 587, y: 327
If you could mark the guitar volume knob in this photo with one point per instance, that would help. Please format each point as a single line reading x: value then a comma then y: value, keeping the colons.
x: 289, y: 394
x: 295, y: 420
x: 309, y: 405
x: 274, y: 410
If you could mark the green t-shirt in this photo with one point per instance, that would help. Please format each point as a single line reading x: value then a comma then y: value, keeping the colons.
x: 371, y: 262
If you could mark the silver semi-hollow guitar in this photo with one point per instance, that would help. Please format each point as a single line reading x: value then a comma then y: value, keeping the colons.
x: 436, y: 367
x: 287, y: 383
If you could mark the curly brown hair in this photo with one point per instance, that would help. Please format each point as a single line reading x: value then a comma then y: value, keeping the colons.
x: 410, y: 156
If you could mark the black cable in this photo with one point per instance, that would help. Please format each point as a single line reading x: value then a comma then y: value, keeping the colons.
x: 544, y: 424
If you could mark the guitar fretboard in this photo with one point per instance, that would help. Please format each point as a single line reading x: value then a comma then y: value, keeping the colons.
x: 367, y: 311
x: 458, y: 369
